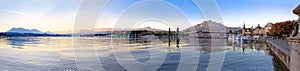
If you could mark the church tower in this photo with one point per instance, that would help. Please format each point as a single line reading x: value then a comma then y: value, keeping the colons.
x: 244, y: 29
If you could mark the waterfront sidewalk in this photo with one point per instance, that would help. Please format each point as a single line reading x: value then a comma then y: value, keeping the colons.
x: 281, y: 44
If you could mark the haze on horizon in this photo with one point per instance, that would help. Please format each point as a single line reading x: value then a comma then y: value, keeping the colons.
x: 59, y: 15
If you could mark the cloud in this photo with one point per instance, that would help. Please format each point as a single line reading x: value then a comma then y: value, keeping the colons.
x: 12, y: 11
x: 45, y: 15
x: 55, y: 23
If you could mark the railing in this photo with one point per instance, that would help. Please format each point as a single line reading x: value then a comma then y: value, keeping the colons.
x: 281, y: 53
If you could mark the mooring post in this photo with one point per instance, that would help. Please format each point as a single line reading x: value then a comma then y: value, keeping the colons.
x: 169, y: 36
x: 177, y: 37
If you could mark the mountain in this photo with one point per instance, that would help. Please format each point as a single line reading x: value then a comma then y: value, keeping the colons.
x: 207, y: 26
x: 23, y: 30
x: 149, y: 29
x: 125, y: 29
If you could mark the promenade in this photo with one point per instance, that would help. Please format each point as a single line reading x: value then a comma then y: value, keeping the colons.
x: 283, y: 45
x: 281, y: 49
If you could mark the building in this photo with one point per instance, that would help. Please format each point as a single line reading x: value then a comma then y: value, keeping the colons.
x: 259, y: 32
x: 234, y: 30
x: 247, y: 31
x: 268, y: 27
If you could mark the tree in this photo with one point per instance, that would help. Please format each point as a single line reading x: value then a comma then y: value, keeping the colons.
x: 281, y: 29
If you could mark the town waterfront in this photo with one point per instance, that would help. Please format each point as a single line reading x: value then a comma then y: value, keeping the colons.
x: 57, y: 53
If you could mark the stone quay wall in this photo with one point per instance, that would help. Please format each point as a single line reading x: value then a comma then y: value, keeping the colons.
x: 281, y: 50
x: 295, y: 53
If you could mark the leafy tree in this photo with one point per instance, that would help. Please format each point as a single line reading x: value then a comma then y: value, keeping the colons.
x: 280, y: 29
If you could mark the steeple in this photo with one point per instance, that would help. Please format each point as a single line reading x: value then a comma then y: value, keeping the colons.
x: 244, y: 25
x: 252, y: 30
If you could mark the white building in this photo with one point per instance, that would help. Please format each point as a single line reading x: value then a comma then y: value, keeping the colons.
x: 268, y: 27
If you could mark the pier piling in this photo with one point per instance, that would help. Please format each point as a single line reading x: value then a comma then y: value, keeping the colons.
x: 177, y: 37
x: 169, y: 36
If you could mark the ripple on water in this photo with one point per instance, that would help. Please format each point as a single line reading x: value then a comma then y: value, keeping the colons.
x: 56, y: 53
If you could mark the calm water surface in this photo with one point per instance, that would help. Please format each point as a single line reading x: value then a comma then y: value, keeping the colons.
x: 64, y: 53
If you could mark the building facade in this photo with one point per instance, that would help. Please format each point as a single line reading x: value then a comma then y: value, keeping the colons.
x: 247, y: 31
x: 268, y: 27
x: 259, y: 32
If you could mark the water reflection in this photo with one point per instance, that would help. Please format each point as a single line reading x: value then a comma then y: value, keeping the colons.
x: 18, y: 42
x: 57, y: 53
x: 278, y: 65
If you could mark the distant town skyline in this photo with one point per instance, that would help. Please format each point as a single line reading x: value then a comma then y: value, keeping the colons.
x: 59, y: 16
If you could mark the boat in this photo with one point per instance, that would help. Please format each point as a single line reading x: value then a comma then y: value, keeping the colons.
x: 149, y: 37
x: 2, y: 37
x: 231, y: 38
x: 247, y: 38
x: 235, y: 38
x: 238, y: 38
x: 111, y: 36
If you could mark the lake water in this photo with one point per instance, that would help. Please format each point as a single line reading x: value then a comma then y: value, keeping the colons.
x: 119, y: 54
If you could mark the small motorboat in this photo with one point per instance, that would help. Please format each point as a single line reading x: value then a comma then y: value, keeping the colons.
x: 150, y: 37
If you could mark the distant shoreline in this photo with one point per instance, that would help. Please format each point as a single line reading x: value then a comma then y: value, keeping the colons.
x: 9, y: 34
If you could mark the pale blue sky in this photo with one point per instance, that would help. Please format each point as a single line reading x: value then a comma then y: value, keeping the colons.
x: 59, y: 15
x: 257, y: 11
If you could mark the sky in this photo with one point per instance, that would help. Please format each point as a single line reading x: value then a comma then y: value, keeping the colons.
x: 59, y: 16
